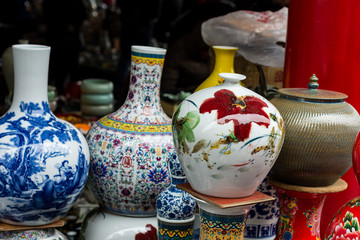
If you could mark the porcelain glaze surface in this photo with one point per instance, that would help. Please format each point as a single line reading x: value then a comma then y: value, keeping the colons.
x: 227, y: 138
x: 100, y: 224
x: 130, y: 147
x: 44, y: 161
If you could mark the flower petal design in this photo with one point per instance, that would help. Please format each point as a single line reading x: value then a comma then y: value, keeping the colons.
x: 242, y: 111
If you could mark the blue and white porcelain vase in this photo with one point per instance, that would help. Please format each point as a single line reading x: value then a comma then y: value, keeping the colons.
x: 130, y: 148
x: 175, y: 208
x: 44, y: 161
x: 263, y: 218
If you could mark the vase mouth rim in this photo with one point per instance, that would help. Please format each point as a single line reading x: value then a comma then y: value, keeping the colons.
x: 225, y: 47
x: 31, y: 47
x: 148, y: 49
x: 232, y: 77
x: 188, y: 220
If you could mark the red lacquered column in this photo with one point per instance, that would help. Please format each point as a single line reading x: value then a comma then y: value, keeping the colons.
x: 324, y: 38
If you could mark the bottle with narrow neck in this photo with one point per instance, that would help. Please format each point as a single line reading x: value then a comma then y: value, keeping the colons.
x: 44, y: 161
x: 30, y: 74
x: 142, y: 105
x: 224, y: 63
x: 131, y: 146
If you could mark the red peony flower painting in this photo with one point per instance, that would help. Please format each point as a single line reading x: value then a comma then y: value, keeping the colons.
x: 242, y: 111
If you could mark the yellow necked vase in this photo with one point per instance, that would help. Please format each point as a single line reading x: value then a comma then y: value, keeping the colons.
x: 224, y: 62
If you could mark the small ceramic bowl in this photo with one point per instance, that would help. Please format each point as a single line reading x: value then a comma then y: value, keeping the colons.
x: 97, y: 99
x: 96, y: 110
x: 97, y: 85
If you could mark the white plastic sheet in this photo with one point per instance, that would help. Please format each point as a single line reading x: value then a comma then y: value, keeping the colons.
x: 255, y: 34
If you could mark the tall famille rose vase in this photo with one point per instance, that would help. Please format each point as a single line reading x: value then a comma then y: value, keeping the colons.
x: 227, y: 138
x: 129, y: 148
x: 44, y: 161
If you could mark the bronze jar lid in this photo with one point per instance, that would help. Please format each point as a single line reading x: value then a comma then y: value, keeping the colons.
x: 312, y: 94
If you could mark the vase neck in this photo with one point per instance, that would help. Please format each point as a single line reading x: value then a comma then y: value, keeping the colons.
x: 31, y: 63
x: 224, y: 58
x: 142, y: 104
x: 177, y: 180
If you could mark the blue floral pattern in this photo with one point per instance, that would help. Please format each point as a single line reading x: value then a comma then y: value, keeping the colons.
x: 263, y: 217
x: 38, y: 172
x: 174, y: 203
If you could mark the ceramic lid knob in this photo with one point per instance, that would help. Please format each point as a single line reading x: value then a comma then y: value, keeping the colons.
x: 313, y: 82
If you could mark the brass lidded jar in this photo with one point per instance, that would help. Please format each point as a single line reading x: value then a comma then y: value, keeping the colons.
x: 321, y: 128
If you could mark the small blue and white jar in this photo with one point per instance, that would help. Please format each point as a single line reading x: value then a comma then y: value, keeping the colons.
x: 175, y: 208
x: 44, y: 161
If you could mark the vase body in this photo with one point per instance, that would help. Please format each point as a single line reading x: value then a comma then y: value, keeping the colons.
x: 227, y: 138
x: 223, y: 63
x: 345, y: 223
x: 316, y: 121
x: 36, y: 234
x: 129, y: 148
x: 263, y: 218
x: 175, y: 207
x: 99, y: 224
x: 44, y: 160
x: 300, y: 214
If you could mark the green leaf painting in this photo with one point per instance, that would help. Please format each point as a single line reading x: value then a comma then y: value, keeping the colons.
x: 184, y: 126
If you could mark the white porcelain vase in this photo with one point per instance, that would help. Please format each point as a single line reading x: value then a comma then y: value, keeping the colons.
x: 227, y: 138
x: 44, y: 161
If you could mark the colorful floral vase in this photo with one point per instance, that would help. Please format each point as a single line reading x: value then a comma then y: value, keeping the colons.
x: 44, y: 161
x: 130, y: 148
x: 223, y: 62
x: 35, y: 234
x: 263, y: 218
x: 175, y: 207
x: 227, y: 138
x: 345, y: 223
x: 99, y: 224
